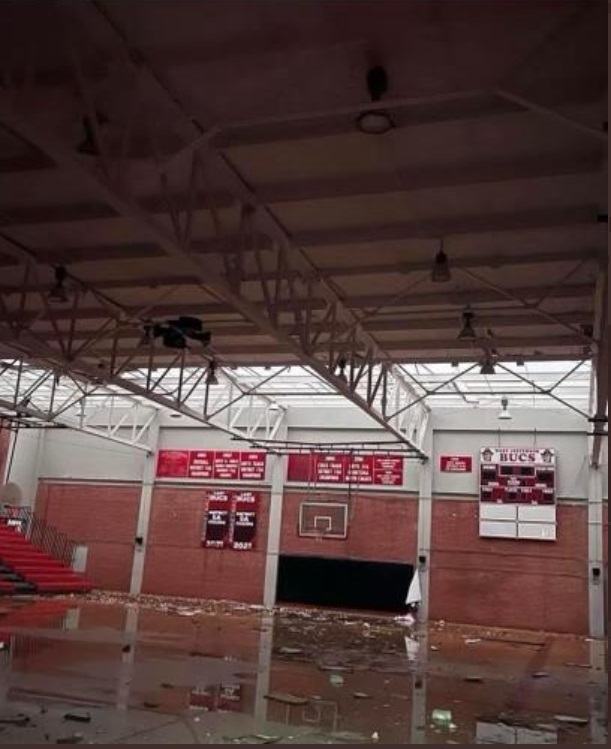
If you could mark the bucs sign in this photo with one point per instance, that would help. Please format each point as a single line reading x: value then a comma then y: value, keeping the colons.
x: 519, y: 455
x: 518, y: 493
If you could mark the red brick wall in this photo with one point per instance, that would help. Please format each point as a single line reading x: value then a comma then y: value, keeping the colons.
x: 382, y: 527
x: 496, y: 582
x: 104, y: 517
x: 176, y: 562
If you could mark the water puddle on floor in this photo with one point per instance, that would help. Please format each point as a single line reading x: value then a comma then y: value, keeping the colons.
x: 115, y: 672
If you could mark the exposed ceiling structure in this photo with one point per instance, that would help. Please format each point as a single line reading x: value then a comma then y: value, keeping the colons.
x: 171, y: 160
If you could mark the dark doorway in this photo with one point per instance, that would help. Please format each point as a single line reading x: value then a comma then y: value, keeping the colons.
x: 344, y: 583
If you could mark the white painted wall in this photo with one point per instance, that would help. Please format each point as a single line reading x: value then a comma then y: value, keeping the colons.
x: 465, y: 432
x: 74, y: 455
x: 26, y: 461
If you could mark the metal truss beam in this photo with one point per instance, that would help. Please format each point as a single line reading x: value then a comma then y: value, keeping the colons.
x: 38, y: 396
x: 367, y: 184
x: 348, y: 345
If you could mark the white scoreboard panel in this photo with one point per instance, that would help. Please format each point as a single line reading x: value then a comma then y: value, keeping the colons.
x: 518, y: 493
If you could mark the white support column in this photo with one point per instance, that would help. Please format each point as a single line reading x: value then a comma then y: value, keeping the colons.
x: 425, y: 512
x: 423, y: 565
x: 596, y: 587
x: 144, y: 514
x: 278, y: 469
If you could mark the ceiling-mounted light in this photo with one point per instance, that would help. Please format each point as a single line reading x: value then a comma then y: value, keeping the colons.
x: 211, y: 378
x: 440, y: 272
x: 520, y: 362
x: 504, y: 414
x: 487, y: 367
x: 467, y: 331
x: 58, y: 291
x: 341, y: 375
x: 375, y: 121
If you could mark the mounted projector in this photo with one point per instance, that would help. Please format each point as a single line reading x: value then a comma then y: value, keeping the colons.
x: 176, y: 333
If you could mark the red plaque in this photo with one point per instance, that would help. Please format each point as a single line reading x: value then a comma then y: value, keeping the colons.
x: 252, y: 466
x: 331, y: 468
x: 301, y: 467
x: 359, y: 469
x: 201, y: 464
x: 173, y: 464
x: 226, y: 464
x: 388, y: 470
x: 456, y: 463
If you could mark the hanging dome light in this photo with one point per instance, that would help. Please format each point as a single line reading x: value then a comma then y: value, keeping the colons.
x: 441, y: 272
x: 467, y: 332
x: 375, y: 121
x: 504, y: 414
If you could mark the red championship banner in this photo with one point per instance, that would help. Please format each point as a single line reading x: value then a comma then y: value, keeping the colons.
x: 345, y: 468
x: 222, y: 465
x: 173, y: 463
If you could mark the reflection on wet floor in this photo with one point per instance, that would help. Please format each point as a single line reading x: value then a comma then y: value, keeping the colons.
x: 87, y: 671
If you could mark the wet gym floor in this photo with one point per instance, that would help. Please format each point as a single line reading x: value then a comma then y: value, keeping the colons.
x: 106, y: 670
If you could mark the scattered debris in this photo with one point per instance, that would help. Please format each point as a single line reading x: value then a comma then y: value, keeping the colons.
x: 186, y: 612
x: 290, y: 651
x: 571, y: 719
x: 263, y: 739
x: 540, y: 674
x: 361, y: 695
x: 78, y: 717
x: 126, y: 649
x: 473, y: 679
x: 336, y: 680
x: 17, y: 720
x: 441, y: 718
x: 336, y: 667
x: 577, y: 665
x: 75, y: 738
x: 166, y: 685
x: 375, y: 736
x: 150, y: 705
x: 434, y: 648
x: 472, y: 640
x: 407, y: 621
x: 287, y: 699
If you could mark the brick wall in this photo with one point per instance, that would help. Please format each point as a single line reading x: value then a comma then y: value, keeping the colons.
x: 104, y: 517
x: 381, y: 527
x: 496, y: 582
x: 176, y: 562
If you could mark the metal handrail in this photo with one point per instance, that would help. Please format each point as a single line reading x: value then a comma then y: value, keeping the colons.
x: 41, y: 534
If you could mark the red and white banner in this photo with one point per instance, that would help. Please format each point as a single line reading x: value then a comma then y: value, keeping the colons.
x: 223, y: 465
x: 456, y: 463
x: 344, y: 468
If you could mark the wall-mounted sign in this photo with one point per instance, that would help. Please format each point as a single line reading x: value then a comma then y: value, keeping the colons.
x: 518, y: 493
x: 230, y: 520
x: 456, y: 463
x: 244, y: 528
x: 217, y: 520
x: 344, y: 468
x: 222, y: 465
x: 174, y: 463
